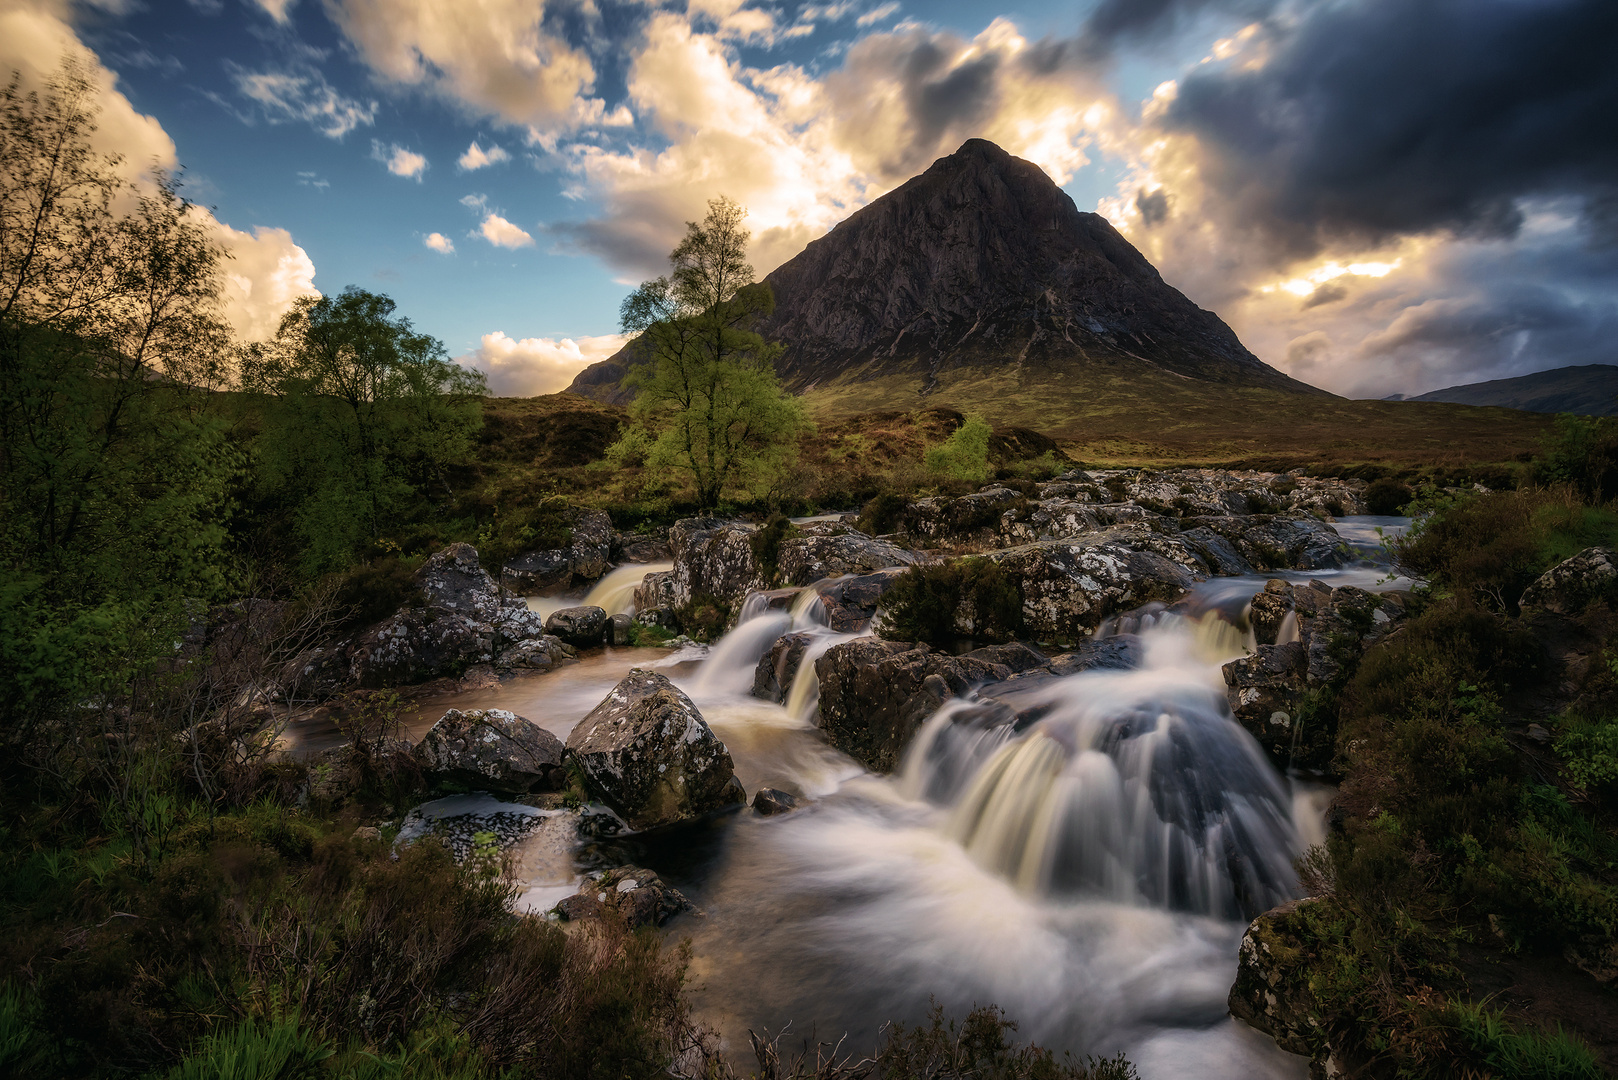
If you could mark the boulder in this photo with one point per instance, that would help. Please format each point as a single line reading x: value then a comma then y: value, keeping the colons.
x: 585, y: 559
x: 976, y: 517
x: 641, y: 549
x: 769, y: 801
x: 463, y: 619
x: 825, y: 549
x: 1120, y: 652
x: 492, y: 750
x: 851, y: 602
x: 1573, y: 584
x: 1069, y: 586
x: 619, y: 629
x: 656, y: 590
x: 712, y: 557
x: 1279, y: 541
x: 777, y: 668
x: 647, y: 752
x: 1265, y: 692
x: 1270, y: 609
x: 1272, y: 992
x: 536, y: 654
x: 1015, y: 655
x: 875, y: 694
x: 580, y: 626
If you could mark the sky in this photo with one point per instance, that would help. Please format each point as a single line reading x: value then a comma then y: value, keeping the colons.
x: 1379, y: 196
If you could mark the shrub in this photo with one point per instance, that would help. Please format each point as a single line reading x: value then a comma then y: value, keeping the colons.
x: 374, y: 590
x: 929, y: 603
x: 965, y: 454
x: 255, y: 1051
x: 1387, y: 497
x: 883, y: 514
x: 704, y: 617
x: 766, y: 543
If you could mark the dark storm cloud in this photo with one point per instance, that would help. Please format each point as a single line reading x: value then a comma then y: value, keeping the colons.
x: 1153, y: 207
x: 1387, y: 117
x: 1117, y: 22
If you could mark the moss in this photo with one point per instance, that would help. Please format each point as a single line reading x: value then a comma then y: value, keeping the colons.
x: 766, y: 542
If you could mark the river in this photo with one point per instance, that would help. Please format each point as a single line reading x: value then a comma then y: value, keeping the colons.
x: 1090, y: 872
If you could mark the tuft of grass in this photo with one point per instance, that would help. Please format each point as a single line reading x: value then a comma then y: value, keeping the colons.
x: 1512, y: 1054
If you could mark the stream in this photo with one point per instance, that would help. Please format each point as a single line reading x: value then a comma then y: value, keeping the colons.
x: 1090, y: 870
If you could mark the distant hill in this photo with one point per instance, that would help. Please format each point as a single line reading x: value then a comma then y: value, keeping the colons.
x: 977, y: 283
x: 1589, y: 389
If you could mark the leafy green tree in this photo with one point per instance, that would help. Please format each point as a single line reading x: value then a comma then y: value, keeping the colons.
x: 708, y: 401
x: 113, y: 476
x: 365, y: 414
x: 965, y: 454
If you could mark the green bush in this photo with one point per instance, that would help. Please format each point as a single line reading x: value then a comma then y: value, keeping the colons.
x: 929, y: 603
x: 883, y: 514
x: 766, y: 543
x: 965, y: 454
x: 1522, y: 1055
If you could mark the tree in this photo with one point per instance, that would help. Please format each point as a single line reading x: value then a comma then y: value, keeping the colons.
x: 708, y: 401
x: 365, y: 416
x: 965, y: 454
x: 113, y: 476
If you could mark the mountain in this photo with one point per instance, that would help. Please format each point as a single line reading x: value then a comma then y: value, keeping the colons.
x: 981, y: 281
x: 1590, y: 389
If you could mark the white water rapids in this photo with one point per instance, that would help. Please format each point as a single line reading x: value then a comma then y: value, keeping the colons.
x: 1082, y: 851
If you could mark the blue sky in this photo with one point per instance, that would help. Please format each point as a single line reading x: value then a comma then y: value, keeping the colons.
x: 506, y: 169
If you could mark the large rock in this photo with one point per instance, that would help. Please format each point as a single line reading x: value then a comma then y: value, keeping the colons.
x: 632, y: 893
x: 825, y: 549
x: 1279, y: 541
x: 875, y: 694
x: 1573, y: 584
x: 657, y: 590
x: 463, y: 618
x: 850, y: 603
x: 1069, y: 586
x: 712, y: 557
x: 586, y: 558
x: 1272, y: 991
x: 778, y: 668
x: 536, y: 654
x: 647, y: 752
x: 492, y: 750
x: 583, y: 627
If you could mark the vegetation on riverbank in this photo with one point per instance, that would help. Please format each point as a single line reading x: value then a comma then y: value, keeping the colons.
x: 1469, y: 890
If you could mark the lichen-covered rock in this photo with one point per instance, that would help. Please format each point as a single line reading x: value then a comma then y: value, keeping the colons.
x: 491, y: 750
x: 1279, y: 542
x: 656, y: 590
x: 875, y: 695
x: 1573, y: 584
x: 1272, y: 992
x: 583, y: 627
x: 620, y: 628
x: 1069, y: 586
x: 586, y: 558
x: 536, y: 654
x: 825, y: 549
x: 777, y: 668
x: 1270, y: 609
x: 647, y: 752
x: 712, y: 557
x: 462, y: 619
x: 1265, y: 691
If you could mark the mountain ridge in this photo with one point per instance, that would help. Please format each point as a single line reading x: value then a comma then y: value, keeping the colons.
x: 1587, y: 389
x: 980, y: 268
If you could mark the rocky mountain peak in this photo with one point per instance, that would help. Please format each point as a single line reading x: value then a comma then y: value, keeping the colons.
x: 983, y: 267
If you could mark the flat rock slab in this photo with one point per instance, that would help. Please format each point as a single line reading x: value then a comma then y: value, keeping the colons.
x: 492, y: 749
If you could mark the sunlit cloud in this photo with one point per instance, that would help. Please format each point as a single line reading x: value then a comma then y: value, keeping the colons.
x: 399, y: 160
x: 279, y: 10
x: 439, y: 243
x: 877, y: 14
x: 532, y: 366
x: 502, y: 233
x: 476, y: 157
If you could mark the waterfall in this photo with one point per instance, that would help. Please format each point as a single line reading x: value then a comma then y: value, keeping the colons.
x: 764, y: 617
x: 615, y: 593
x: 1132, y: 786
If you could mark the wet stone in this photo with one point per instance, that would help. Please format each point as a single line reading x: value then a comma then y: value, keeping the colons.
x: 769, y: 801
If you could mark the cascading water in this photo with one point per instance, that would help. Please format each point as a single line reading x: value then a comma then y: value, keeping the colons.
x: 1130, y: 786
x: 615, y: 593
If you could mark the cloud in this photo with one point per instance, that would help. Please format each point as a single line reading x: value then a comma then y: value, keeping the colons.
x: 439, y: 243
x: 497, y: 59
x: 476, y: 157
x: 264, y: 274
x: 877, y: 14
x: 531, y: 366
x: 1386, y: 117
x: 802, y: 153
x: 400, y: 161
x: 502, y: 233
x: 1113, y: 23
x: 279, y: 10
x: 305, y: 96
